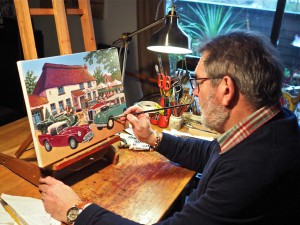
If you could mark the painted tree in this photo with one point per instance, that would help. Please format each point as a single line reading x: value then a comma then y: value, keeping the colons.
x: 108, y: 61
x: 30, y: 81
x: 98, y: 75
x: 47, y: 113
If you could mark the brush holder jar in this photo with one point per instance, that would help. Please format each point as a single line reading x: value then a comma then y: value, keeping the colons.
x: 175, y: 122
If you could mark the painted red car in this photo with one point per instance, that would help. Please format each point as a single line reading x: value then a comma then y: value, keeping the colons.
x: 60, y: 134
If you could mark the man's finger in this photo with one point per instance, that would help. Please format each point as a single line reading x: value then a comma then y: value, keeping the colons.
x: 43, y: 187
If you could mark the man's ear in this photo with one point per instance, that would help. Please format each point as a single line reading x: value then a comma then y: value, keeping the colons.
x: 227, y: 91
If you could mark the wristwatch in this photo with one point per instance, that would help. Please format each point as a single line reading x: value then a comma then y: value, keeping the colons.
x: 74, y: 211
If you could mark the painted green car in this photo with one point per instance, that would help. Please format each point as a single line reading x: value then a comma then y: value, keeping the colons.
x: 104, y: 118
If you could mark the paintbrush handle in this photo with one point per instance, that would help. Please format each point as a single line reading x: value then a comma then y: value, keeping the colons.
x: 153, y: 110
x: 163, y: 108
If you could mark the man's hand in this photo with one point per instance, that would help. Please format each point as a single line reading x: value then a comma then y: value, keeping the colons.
x: 140, y: 125
x: 57, y: 198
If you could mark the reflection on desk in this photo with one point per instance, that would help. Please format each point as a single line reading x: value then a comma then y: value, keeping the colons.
x: 141, y: 187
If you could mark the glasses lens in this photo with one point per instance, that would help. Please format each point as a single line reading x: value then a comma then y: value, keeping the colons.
x: 193, y: 83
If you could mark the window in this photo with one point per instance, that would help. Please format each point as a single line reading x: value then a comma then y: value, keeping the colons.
x: 246, y: 14
x: 53, y: 109
x: 36, y: 117
x: 68, y: 102
x: 61, y: 90
x: 61, y: 106
x: 81, y: 86
x: 89, y: 96
x: 89, y: 84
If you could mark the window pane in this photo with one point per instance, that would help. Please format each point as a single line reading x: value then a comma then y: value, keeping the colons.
x: 202, y: 20
x: 289, y: 48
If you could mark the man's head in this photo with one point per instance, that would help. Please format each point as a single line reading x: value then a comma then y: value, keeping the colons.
x: 244, y: 72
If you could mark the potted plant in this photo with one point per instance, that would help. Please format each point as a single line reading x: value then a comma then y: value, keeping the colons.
x: 205, y: 21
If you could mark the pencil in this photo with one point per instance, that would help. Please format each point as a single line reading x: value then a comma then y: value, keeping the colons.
x: 151, y: 110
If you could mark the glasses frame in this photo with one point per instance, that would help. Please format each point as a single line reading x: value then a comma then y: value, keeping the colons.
x: 202, y: 79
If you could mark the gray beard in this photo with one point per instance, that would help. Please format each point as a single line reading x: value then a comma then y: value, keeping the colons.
x: 213, y: 116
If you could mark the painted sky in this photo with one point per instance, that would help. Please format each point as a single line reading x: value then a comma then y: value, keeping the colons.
x: 36, y: 65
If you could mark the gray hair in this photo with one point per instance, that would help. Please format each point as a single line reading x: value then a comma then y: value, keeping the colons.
x: 251, y: 61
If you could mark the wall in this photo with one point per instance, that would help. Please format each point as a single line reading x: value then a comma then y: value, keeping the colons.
x: 119, y: 17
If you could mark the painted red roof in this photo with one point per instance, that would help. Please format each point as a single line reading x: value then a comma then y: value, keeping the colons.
x: 36, y: 100
x: 77, y: 93
x: 58, y: 75
x: 98, y: 105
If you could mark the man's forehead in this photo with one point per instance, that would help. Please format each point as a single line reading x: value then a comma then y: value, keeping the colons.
x: 200, y: 66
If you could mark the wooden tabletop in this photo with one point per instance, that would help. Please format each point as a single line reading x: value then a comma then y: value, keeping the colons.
x: 141, y: 187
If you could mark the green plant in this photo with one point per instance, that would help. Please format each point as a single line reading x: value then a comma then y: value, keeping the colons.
x: 205, y: 21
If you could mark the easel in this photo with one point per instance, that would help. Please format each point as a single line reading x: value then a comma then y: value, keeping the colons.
x: 75, y: 162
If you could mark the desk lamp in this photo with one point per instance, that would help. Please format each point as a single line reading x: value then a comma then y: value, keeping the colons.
x: 169, y: 39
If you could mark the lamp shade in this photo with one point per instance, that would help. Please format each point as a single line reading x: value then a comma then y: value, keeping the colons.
x: 170, y: 39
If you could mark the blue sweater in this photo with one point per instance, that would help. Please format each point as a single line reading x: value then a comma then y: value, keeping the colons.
x: 255, y: 182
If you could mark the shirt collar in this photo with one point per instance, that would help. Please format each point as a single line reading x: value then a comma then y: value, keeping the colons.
x: 243, y: 129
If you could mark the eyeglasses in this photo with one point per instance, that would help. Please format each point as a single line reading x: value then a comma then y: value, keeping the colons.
x: 196, y: 85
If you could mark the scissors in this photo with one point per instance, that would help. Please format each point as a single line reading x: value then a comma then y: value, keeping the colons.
x: 177, y: 91
x: 175, y: 81
x: 164, y: 83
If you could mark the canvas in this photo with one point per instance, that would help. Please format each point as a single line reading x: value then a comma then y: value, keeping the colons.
x: 70, y: 101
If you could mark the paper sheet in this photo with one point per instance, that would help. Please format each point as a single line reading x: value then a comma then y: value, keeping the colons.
x: 182, y: 134
x: 30, y: 211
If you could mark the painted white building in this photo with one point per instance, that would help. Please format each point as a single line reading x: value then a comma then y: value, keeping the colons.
x: 62, y: 87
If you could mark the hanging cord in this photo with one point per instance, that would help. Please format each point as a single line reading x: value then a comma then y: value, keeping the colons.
x: 157, y: 9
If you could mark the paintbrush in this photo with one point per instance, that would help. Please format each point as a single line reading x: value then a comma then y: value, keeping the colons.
x: 151, y: 110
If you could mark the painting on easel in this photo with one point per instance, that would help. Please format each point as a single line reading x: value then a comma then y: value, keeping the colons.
x: 70, y: 101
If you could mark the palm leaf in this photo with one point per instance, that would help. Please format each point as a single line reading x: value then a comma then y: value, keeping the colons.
x: 211, y: 20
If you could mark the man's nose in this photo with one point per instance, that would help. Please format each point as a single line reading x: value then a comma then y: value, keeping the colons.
x: 195, y: 92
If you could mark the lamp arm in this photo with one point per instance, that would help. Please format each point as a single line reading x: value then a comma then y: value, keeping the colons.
x: 147, y: 27
x: 126, y: 37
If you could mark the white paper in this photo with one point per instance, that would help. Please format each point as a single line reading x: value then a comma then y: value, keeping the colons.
x: 30, y: 210
x: 182, y: 134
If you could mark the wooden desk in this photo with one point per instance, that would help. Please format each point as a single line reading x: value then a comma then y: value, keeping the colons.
x: 141, y: 187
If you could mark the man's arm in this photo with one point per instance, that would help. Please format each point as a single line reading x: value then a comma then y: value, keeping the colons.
x: 190, y: 153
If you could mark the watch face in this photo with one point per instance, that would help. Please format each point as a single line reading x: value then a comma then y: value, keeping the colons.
x: 72, y: 214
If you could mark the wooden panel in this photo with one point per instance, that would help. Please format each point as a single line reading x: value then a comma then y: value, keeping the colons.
x: 87, y: 25
x: 25, y: 28
x: 49, y: 12
x: 62, y: 27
